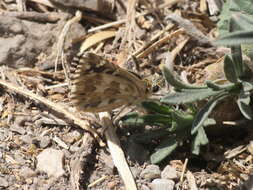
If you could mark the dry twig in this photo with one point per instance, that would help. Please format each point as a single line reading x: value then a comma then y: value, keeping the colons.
x: 158, y: 43
x: 35, y: 16
x: 84, y: 124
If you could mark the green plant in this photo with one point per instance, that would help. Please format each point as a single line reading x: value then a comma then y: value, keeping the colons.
x: 236, y: 25
x: 175, y: 126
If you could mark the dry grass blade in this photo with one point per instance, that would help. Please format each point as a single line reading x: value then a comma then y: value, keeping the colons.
x: 44, y: 2
x: 53, y: 106
x: 183, y: 171
x: 61, y: 40
x: 96, y: 38
x: 130, y: 34
x: 203, y: 6
x: 117, y: 153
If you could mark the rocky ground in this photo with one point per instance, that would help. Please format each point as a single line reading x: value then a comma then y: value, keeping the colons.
x: 44, y: 147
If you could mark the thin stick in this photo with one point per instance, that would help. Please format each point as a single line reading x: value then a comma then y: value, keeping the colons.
x: 44, y: 2
x: 183, y: 172
x: 168, y: 27
x: 84, y: 124
x: 97, y: 181
x: 158, y: 43
x: 34, y: 16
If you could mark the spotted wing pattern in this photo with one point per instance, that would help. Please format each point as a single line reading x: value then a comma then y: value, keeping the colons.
x: 99, y: 85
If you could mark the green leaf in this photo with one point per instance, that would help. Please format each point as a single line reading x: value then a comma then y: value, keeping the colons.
x: 225, y: 16
x: 209, y: 121
x: 132, y: 119
x: 230, y: 70
x: 247, y: 86
x: 236, y: 38
x: 181, y: 121
x: 231, y: 8
x: 225, y: 87
x: 203, y: 114
x: 151, y: 119
x: 237, y: 60
x: 233, y: 26
x: 157, y: 119
x: 163, y: 150
x: 189, y: 96
x: 245, y: 6
x: 213, y: 85
x: 243, y: 102
x: 199, y: 140
x: 244, y: 21
x: 156, y: 107
x: 171, y: 79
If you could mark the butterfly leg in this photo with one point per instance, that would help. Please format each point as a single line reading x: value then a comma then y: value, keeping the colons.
x: 123, y: 111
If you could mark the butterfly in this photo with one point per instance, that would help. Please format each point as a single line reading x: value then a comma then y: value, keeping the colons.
x: 99, y: 85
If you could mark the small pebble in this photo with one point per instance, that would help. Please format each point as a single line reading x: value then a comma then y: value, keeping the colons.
x: 162, y: 184
x: 27, y: 172
x: 44, y: 141
x: 151, y: 172
x: 19, y: 130
x: 169, y: 173
x: 50, y: 161
x: 26, y: 139
x: 3, y: 183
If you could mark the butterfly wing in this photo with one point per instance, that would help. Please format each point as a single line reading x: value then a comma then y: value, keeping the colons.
x: 99, y: 85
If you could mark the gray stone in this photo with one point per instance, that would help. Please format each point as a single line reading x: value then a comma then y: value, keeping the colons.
x: 151, y: 172
x: 44, y: 141
x: 162, y: 184
x: 19, y: 158
x: 50, y: 161
x: 26, y: 139
x: 169, y: 173
x: 22, y: 41
x: 27, y: 172
x: 17, y: 129
x: 3, y: 182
